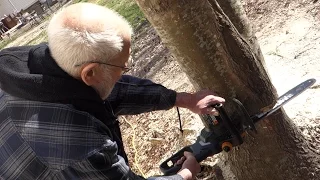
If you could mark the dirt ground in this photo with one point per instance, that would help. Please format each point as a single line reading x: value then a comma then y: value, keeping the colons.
x: 289, y: 36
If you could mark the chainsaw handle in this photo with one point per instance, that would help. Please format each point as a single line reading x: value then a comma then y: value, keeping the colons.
x: 168, y: 167
x: 201, y: 150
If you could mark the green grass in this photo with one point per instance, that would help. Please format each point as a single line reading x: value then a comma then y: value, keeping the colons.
x: 76, y: 1
x: 127, y: 8
x: 5, y: 42
x: 42, y: 37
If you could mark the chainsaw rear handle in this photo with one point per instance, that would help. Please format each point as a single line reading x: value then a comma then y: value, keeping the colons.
x: 201, y: 150
x: 168, y: 167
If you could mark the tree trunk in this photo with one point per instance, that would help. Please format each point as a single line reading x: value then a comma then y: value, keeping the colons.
x: 235, y: 12
x: 215, y: 55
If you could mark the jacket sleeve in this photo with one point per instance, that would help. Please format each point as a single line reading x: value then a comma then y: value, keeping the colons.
x: 133, y: 95
x: 106, y: 164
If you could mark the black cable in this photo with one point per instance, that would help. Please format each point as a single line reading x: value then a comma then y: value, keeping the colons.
x: 180, y: 123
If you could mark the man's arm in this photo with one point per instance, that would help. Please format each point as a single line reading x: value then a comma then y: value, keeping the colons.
x: 200, y: 102
x: 133, y: 95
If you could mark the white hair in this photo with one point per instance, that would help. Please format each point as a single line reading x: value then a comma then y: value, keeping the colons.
x: 73, y: 44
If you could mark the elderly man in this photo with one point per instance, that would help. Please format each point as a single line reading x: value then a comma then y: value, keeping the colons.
x: 59, y: 102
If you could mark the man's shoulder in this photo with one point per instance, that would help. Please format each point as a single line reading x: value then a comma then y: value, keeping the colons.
x: 46, y: 137
x: 47, y: 112
x: 50, y: 117
x: 23, y: 48
x: 20, y: 53
x: 57, y: 133
x: 57, y: 113
x: 2, y: 99
x: 1, y: 93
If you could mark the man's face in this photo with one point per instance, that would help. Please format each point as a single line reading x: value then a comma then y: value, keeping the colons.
x: 122, y: 60
x: 122, y: 65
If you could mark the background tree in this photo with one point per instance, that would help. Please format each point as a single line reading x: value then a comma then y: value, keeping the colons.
x: 215, y: 55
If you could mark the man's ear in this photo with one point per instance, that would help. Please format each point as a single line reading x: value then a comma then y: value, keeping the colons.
x: 90, y: 74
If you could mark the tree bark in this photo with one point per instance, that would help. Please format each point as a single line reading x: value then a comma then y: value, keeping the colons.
x: 235, y: 12
x: 216, y: 56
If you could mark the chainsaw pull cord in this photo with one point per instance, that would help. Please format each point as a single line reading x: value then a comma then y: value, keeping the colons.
x: 180, y: 122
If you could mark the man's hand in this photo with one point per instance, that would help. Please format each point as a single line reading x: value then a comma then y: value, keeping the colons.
x: 190, y: 167
x: 200, y: 102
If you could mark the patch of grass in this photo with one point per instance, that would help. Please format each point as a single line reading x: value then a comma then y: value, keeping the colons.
x: 42, y: 37
x: 5, y: 42
x: 76, y: 1
x: 127, y: 8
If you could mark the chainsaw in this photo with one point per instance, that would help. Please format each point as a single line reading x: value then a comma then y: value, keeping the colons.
x: 222, y: 133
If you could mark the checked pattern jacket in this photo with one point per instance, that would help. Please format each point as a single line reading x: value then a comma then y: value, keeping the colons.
x: 42, y: 140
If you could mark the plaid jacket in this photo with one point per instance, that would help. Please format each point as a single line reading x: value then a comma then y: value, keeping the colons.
x: 40, y: 140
